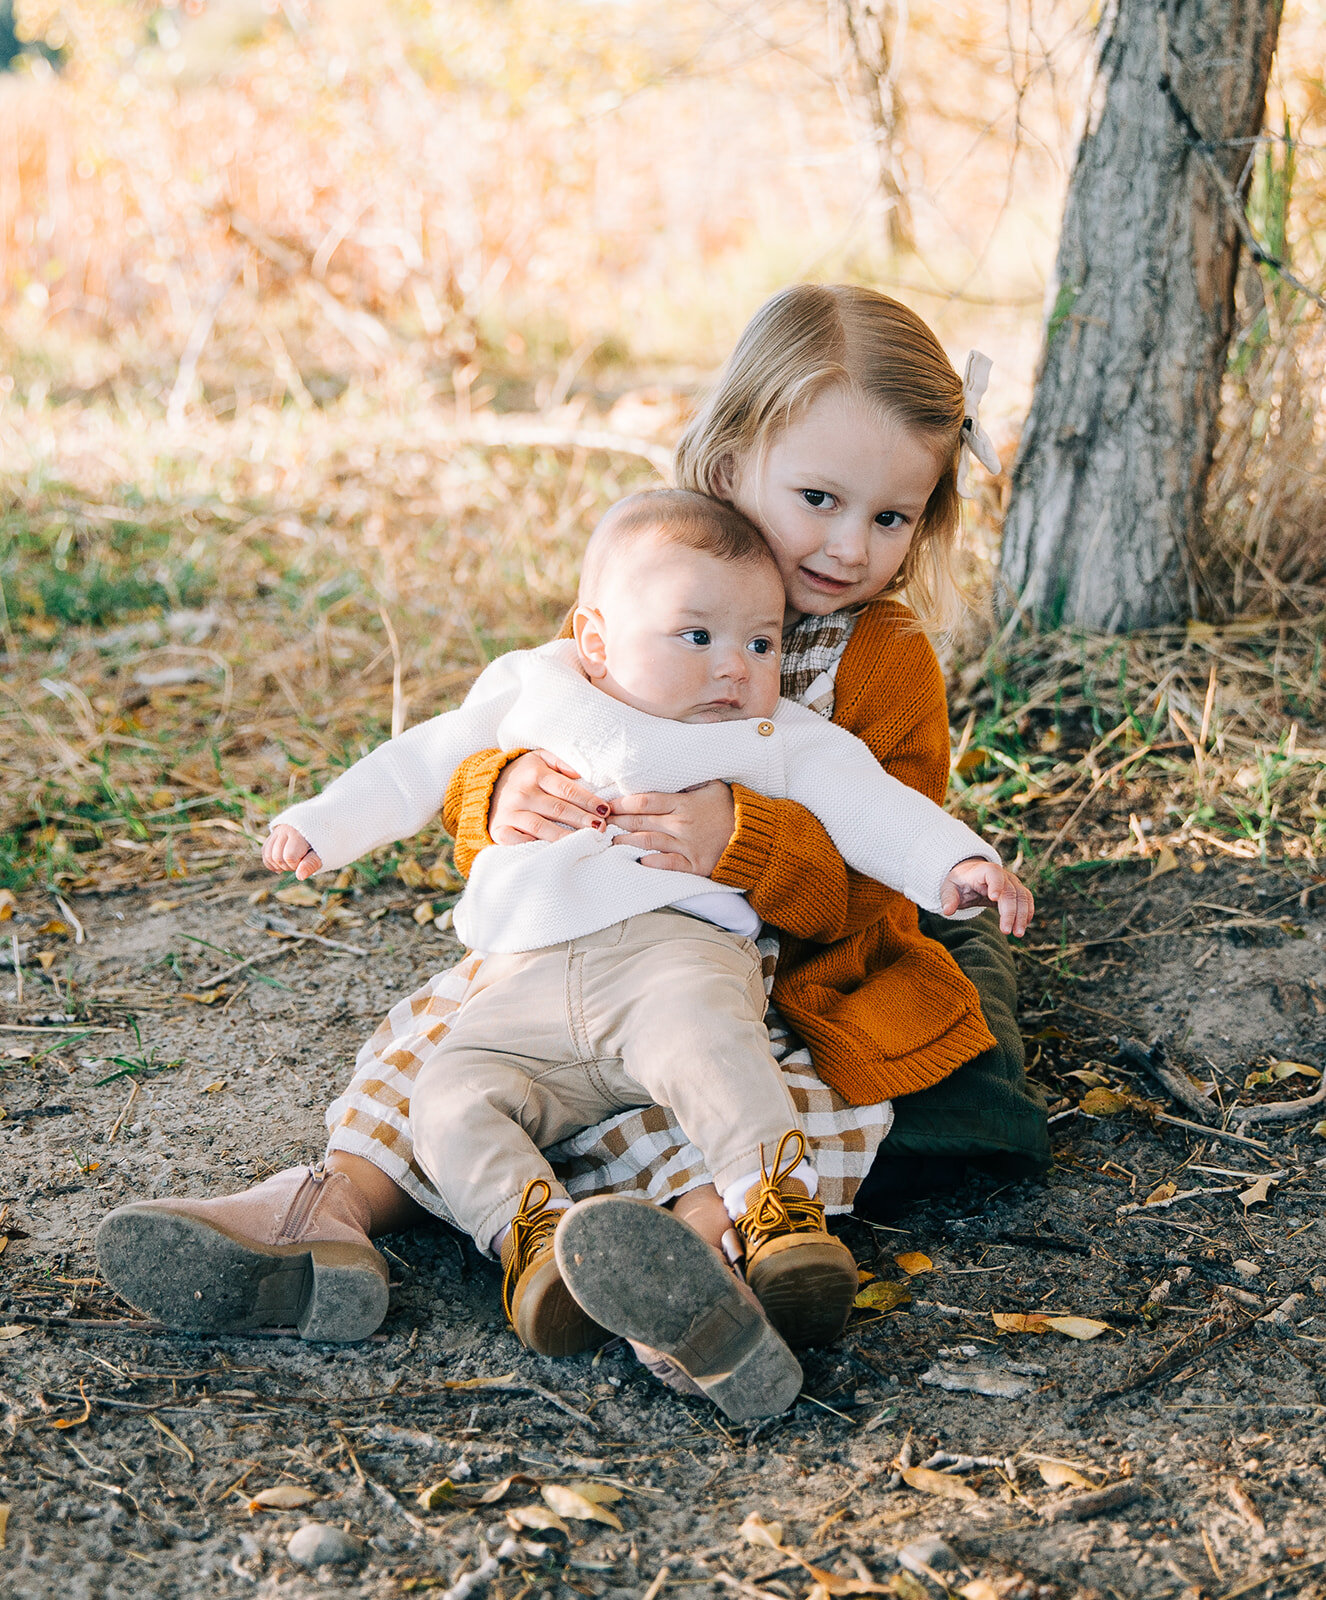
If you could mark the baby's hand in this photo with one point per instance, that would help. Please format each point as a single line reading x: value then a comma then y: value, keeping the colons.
x: 287, y: 850
x: 977, y: 882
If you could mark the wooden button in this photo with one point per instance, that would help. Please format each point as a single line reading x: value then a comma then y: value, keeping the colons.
x: 764, y: 729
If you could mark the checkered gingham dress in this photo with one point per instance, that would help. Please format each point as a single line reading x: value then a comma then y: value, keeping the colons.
x: 643, y: 1151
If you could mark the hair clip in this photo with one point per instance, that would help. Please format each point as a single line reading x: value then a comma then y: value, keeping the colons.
x: 974, y: 440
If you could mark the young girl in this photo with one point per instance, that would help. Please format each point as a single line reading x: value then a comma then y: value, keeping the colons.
x: 839, y: 428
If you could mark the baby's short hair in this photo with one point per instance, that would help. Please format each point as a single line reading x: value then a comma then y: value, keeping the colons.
x: 672, y: 516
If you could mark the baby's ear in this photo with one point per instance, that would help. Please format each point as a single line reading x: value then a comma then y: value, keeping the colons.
x: 591, y: 645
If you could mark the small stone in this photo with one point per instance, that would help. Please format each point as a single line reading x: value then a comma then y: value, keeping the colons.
x: 318, y: 1544
x: 1246, y: 1269
x: 931, y: 1551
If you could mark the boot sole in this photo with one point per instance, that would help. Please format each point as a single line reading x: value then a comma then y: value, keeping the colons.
x: 197, y: 1278
x: 642, y: 1273
x: 806, y: 1286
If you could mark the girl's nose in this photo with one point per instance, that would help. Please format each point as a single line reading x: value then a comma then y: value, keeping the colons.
x: 847, y: 542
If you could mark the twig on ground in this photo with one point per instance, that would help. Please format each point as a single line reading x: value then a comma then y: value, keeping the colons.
x: 1176, y: 1084
x: 289, y: 931
x: 1173, y: 1200
x: 556, y: 1400
x: 1182, y: 1358
x: 1078, y: 1507
x: 1282, y: 1110
x: 134, y: 1088
x: 80, y: 936
x: 1211, y: 1133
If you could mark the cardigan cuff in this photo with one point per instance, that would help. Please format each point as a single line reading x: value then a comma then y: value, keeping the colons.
x: 746, y: 859
x: 468, y: 798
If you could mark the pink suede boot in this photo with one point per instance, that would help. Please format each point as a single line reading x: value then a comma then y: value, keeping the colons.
x: 291, y: 1252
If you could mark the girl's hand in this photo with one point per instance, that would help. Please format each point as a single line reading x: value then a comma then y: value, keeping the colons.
x: 538, y: 797
x: 977, y: 882
x: 688, y: 832
x: 287, y: 850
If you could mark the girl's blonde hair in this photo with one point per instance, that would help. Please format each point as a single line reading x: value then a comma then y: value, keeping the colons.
x: 812, y: 338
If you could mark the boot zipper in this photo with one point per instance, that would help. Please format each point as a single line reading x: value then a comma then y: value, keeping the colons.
x: 305, y: 1200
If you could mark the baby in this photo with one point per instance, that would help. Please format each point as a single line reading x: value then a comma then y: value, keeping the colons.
x: 605, y: 983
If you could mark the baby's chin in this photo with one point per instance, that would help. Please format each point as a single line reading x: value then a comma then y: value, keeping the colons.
x: 721, y: 714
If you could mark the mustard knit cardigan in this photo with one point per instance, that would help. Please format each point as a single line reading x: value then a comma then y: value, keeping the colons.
x: 885, y: 1010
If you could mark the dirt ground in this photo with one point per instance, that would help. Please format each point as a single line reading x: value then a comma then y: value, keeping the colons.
x: 129, y: 1457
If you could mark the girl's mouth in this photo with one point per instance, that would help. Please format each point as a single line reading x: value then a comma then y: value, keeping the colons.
x: 817, y: 580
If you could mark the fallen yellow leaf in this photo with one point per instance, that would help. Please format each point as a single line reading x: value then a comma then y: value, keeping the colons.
x: 1103, y: 1103
x: 541, y: 1518
x: 913, y: 1263
x: 46, y: 959
x: 755, y: 1530
x: 56, y: 928
x: 979, y: 1589
x: 14, y: 1330
x: 155, y: 907
x: 942, y: 1484
x: 8, y: 900
x: 214, y: 1088
x: 208, y: 997
x: 299, y: 894
x: 4, y: 1524
x: 1257, y: 1194
x: 568, y: 1502
x: 970, y: 760
x: 1319, y: 1128
x: 882, y: 1296
x: 283, y: 1497
x: 1043, y: 1322
x: 425, y: 911
x: 1059, y: 1475
x: 1165, y: 1191
x: 601, y: 1494
x: 412, y: 875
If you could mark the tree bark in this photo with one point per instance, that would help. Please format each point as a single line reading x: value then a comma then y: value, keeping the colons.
x: 1104, y: 526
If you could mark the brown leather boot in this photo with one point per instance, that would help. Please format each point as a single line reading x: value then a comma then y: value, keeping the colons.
x: 537, y: 1303
x: 803, y: 1277
x: 292, y: 1251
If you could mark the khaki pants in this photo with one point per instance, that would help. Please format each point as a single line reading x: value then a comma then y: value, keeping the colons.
x: 661, y: 1009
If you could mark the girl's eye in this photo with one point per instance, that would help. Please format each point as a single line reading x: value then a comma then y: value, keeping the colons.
x: 890, y: 520
x: 819, y: 498
x: 760, y: 647
x: 696, y: 636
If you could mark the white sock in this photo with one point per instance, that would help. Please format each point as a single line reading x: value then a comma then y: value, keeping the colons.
x: 734, y: 1196
x: 557, y: 1203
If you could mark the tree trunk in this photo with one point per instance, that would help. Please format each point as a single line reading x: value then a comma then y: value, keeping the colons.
x: 1108, y: 488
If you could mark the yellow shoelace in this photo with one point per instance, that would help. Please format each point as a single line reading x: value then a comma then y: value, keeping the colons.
x: 774, y: 1212
x: 532, y: 1228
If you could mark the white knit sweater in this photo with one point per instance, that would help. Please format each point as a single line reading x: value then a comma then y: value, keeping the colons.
x: 522, y: 897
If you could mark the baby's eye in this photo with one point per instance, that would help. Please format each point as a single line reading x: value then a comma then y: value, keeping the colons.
x: 760, y: 647
x: 819, y: 498
x: 696, y: 636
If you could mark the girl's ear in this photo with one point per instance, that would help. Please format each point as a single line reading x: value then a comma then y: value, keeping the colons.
x: 725, y: 477
x: 591, y: 642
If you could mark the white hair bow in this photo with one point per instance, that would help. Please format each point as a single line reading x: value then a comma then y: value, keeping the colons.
x: 975, y: 440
